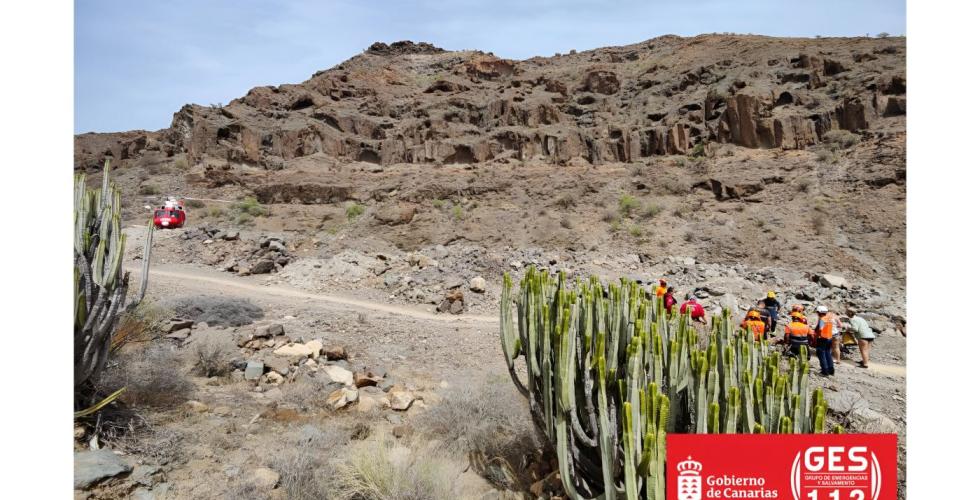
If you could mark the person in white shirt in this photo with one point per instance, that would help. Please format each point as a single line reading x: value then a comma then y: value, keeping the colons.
x: 865, y: 336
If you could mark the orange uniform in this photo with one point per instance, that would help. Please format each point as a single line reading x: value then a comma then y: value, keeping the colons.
x: 798, y: 333
x: 756, y: 326
x: 826, y: 330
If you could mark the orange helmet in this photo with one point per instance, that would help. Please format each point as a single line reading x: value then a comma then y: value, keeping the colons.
x: 755, y: 314
x: 797, y: 315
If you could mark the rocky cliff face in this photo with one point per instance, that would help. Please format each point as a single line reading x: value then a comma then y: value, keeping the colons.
x: 415, y: 103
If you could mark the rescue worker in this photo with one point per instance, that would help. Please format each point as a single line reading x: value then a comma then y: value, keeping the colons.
x: 753, y: 323
x: 798, y: 308
x: 772, y: 305
x: 697, y: 311
x: 669, y: 300
x: 865, y: 336
x: 838, y: 329
x: 661, y: 290
x: 764, y: 313
x: 825, y: 341
x: 797, y: 333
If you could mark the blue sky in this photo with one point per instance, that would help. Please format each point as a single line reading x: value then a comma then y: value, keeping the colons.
x: 138, y: 62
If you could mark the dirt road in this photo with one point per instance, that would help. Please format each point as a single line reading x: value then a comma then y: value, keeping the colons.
x: 197, y: 277
x: 206, y: 281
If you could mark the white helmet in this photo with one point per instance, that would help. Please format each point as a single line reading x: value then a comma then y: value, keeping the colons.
x: 822, y: 309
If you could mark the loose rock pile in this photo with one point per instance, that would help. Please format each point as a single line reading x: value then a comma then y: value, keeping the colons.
x: 228, y: 249
x: 273, y: 358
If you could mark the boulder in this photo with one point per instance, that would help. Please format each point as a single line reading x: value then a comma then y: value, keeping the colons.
x: 274, y: 378
x: 143, y: 475
x: 277, y: 246
x: 394, y: 215
x: 253, y: 370
x: 400, y: 398
x: 339, y: 374
x: 844, y: 401
x: 178, y: 324
x: 833, y: 281
x: 870, y: 421
x: 478, y: 284
x: 342, y: 397
x: 362, y: 379
x: 600, y: 82
x: 277, y: 364
x: 263, y: 478
x: 271, y: 330
x: 335, y: 352
x: 294, y: 351
x: 316, y: 348
x: 180, y: 334
x: 456, y: 307
x: 94, y: 466
x: 262, y: 266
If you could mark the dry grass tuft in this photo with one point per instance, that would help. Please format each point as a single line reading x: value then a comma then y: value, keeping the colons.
x: 210, y: 359
x: 151, y: 377
x: 384, y: 470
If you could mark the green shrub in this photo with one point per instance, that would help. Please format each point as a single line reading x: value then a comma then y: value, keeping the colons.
x: 149, y: 189
x: 627, y: 204
x: 250, y: 206
x: 243, y: 219
x: 180, y: 164
x: 353, y: 211
x: 195, y: 204
x: 438, y: 204
x: 457, y: 212
x: 216, y: 212
x: 636, y: 231
x: 698, y: 150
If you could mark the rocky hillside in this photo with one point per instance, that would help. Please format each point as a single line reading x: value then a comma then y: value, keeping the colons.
x: 728, y: 148
x: 415, y: 103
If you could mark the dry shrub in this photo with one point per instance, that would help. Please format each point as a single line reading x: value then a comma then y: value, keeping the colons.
x: 213, y: 310
x: 383, y: 470
x: 841, y: 139
x: 141, y: 324
x: 488, y: 418
x: 306, y: 461
x: 155, y: 444
x: 151, y: 377
x: 819, y: 222
x: 566, y: 201
x: 210, y: 359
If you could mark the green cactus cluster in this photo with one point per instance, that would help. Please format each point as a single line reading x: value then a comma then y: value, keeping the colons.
x: 609, y: 374
x: 101, y: 285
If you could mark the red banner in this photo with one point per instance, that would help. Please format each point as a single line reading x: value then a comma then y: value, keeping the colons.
x: 784, y: 466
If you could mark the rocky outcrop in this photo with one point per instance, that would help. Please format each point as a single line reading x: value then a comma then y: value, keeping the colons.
x: 749, y: 120
x: 415, y: 103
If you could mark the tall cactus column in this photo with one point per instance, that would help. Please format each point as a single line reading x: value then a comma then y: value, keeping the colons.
x: 101, y: 285
x: 609, y: 375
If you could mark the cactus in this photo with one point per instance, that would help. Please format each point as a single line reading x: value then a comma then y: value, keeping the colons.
x: 101, y: 285
x: 609, y: 374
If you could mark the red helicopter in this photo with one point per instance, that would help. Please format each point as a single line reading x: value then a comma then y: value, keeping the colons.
x: 171, y: 215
